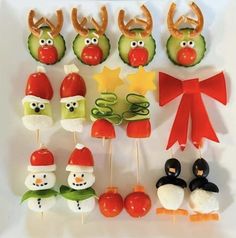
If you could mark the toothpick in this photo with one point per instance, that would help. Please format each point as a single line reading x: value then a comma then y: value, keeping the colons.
x: 171, y: 153
x: 200, y: 153
x: 38, y: 136
x: 137, y: 150
x: 82, y: 218
x: 42, y: 215
x: 174, y: 219
x: 103, y: 141
x: 75, y: 138
x: 110, y: 162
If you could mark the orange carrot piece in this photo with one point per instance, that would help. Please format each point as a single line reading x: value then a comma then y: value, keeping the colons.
x: 204, y: 217
x: 163, y: 211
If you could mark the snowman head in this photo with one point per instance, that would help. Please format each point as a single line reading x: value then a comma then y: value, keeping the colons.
x: 40, y: 181
x: 80, y: 166
x: 80, y: 180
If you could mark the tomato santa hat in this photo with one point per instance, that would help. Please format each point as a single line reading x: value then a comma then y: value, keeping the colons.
x: 81, y: 160
x: 38, y: 87
x: 42, y: 160
x: 73, y: 86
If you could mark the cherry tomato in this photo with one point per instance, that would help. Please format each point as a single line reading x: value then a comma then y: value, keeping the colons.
x: 42, y: 157
x: 73, y: 85
x: 186, y: 56
x: 137, y: 204
x: 92, y: 55
x: 138, y: 56
x: 102, y: 128
x: 139, y: 129
x: 39, y: 85
x: 110, y: 203
x: 48, y: 54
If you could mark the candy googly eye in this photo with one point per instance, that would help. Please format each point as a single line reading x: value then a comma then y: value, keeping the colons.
x: 75, y: 104
x: 42, y: 42
x: 44, y: 176
x: 87, y: 41
x: 191, y: 44
x: 49, y: 42
x: 133, y: 44
x: 141, y: 43
x: 33, y: 105
x: 94, y: 41
x: 68, y: 105
x: 183, y: 44
x: 41, y: 106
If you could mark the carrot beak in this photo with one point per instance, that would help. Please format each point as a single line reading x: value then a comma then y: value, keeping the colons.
x: 78, y: 179
x: 38, y: 181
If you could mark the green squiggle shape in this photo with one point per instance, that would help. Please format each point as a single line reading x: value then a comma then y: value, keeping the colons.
x: 103, y: 109
x: 138, y: 109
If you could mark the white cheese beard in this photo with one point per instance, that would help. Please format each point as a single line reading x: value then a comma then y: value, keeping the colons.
x: 88, y: 180
x: 203, y: 201
x: 73, y: 125
x: 46, y: 182
x: 37, y: 122
x: 170, y: 196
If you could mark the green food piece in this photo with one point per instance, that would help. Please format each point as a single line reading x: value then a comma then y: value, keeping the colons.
x: 58, y: 42
x: 79, y: 111
x: 47, y: 111
x: 138, y: 109
x: 76, y: 195
x: 103, y: 43
x: 103, y: 109
x: 124, y: 46
x: 39, y: 194
x: 173, y: 46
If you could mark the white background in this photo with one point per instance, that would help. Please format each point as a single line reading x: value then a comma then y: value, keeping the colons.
x: 16, y: 143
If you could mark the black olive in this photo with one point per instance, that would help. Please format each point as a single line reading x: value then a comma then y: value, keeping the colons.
x: 200, y: 168
x: 172, y: 167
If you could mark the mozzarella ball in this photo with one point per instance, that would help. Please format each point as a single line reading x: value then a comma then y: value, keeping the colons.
x: 40, y: 181
x: 80, y: 180
x: 41, y: 204
x: 86, y: 205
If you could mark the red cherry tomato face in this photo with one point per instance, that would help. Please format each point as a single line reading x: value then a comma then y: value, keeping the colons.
x: 92, y: 55
x: 102, y: 128
x: 39, y: 84
x: 186, y: 56
x: 47, y: 54
x: 110, y: 204
x: 139, y: 129
x: 137, y: 204
x: 73, y: 85
x: 138, y: 56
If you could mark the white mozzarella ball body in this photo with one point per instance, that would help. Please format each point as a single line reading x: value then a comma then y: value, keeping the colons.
x: 83, y: 206
x: 41, y: 204
x: 204, y: 201
x: 80, y: 180
x: 170, y: 196
x: 40, y: 181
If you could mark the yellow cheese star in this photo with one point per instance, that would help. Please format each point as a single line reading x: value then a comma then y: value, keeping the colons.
x: 108, y: 80
x: 142, y: 81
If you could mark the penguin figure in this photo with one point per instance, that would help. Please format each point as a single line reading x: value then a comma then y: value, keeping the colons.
x: 204, y: 195
x: 170, y: 189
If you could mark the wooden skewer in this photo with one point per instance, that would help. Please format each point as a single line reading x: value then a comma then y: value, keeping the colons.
x: 42, y: 215
x: 38, y: 136
x: 82, y: 218
x: 75, y: 138
x: 110, y: 162
x: 103, y: 141
x: 137, y: 155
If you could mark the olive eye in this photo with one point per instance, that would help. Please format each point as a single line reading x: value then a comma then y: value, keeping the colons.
x: 74, y: 175
x: 41, y: 106
x: 141, y: 43
x: 133, y: 44
x: 82, y: 175
x: 183, y: 44
x: 191, y: 43
x: 33, y: 105
x: 95, y: 41
x: 87, y: 41
x: 68, y: 105
x: 42, y: 42
x: 75, y: 104
x: 49, y: 42
x: 44, y: 176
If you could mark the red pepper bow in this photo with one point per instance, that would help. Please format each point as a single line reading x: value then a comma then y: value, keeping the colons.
x: 191, y: 105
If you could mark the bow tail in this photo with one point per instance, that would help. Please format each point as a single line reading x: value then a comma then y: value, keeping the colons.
x: 201, y: 125
x: 179, y: 129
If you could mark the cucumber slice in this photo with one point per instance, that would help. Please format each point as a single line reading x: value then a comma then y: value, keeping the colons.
x: 173, y: 46
x: 124, y: 46
x: 103, y: 43
x: 58, y: 42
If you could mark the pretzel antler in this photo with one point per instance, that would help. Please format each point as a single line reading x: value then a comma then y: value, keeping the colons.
x: 35, y: 26
x: 80, y: 26
x: 174, y: 27
x: 147, y: 25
